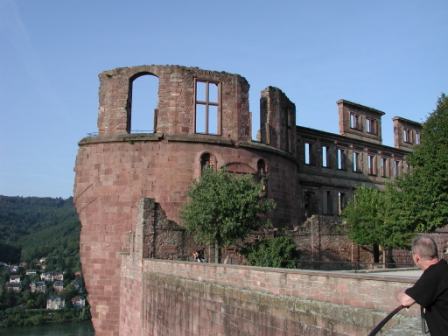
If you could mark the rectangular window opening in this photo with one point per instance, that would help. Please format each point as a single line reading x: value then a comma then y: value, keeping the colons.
x: 407, y: 135
x: 329, y: 205
x: 341, y: 202
x: 207, y: 108
x: 325, y: 158
x: 396, y: 168
x: 371, y: 164
x: 308, y: 148
x: 371, y: 126
x: 355, y: 162
x: 354, y: 121
x: 341, y: 159
x: 383, y: 167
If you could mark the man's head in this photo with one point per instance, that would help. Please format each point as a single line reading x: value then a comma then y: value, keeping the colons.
x: 424, y: 250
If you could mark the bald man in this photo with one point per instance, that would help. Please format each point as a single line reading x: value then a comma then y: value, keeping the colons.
x: 431, y: 289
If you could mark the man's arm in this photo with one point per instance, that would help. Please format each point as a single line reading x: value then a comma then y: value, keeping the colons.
x: 404, y: 299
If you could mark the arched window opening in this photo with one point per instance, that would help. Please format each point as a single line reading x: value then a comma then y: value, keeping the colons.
x: 144, y: 104
x: 208, y: 161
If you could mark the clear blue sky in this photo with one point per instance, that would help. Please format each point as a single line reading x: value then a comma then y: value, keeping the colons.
x: 390, y: 55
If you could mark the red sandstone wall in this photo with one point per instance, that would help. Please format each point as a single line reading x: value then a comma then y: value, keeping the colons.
x: 176, y: 100
x: 112, y: 177
x: 182, y: 298
x: 356, y: 290
x: 171, y: 298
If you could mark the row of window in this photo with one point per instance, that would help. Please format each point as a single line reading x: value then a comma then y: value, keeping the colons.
x: 328, y: 206
x: 410, y: 136
x: 376, y: 164
x: 370, y: 124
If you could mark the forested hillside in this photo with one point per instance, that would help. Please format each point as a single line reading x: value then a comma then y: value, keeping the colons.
x: 39, y: 227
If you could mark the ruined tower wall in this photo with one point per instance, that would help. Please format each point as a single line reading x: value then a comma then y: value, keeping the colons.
x: 176, y: 105
x: 112, y: 176
x: 278, y: 120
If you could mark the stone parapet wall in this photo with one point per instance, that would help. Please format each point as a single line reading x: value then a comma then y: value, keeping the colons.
x: 187, y: 298
x: 356, y: 290
x: 164, y: 297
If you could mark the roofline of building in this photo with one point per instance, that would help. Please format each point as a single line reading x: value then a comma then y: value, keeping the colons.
x: 370, y: 109
x: 407, y: 121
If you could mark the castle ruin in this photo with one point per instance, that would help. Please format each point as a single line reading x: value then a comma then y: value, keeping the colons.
x: 203, y: 118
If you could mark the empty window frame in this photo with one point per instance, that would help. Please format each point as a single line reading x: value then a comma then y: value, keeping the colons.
x: 143, y: 104
x: 371, y: 164
x: 207, y: 107
x: 407, y: 135
x: 261, y: 169
x: 383, y: 167
x: 309, y: 204
x: 325, y: 156
x: 340, y: 157
x: 354, y: 121
x: 371, y: 126
x: 356, y: 167
x: 396, y: 168
x: 341, y: 202
x: 328, y: 203
x: 417, y: 138
x: 308, y: 153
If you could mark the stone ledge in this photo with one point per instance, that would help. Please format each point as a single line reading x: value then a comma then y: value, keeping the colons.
x: 190, y: 138
x: 121, y: 138
x: 200, y: 138
x: 333, y: 274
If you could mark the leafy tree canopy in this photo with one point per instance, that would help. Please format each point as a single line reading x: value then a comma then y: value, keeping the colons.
x: 273, y: 252
x: 425, y: 203
x: 373, y: 218
x: 224, y: 207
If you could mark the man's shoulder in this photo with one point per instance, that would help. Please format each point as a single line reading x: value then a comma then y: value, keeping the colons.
x: 441, y: 264
x: 438, y: 269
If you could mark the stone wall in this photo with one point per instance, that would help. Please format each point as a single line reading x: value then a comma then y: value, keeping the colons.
x: 323, y: 244
x: 185, y: 298
x: 163, y: 297
x: 176, y: 100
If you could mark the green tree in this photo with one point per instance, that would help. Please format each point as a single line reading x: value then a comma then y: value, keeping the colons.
x: 223, y: 208
x: 373, y: 218
x: 273, y: 252
x: 424, y: 203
